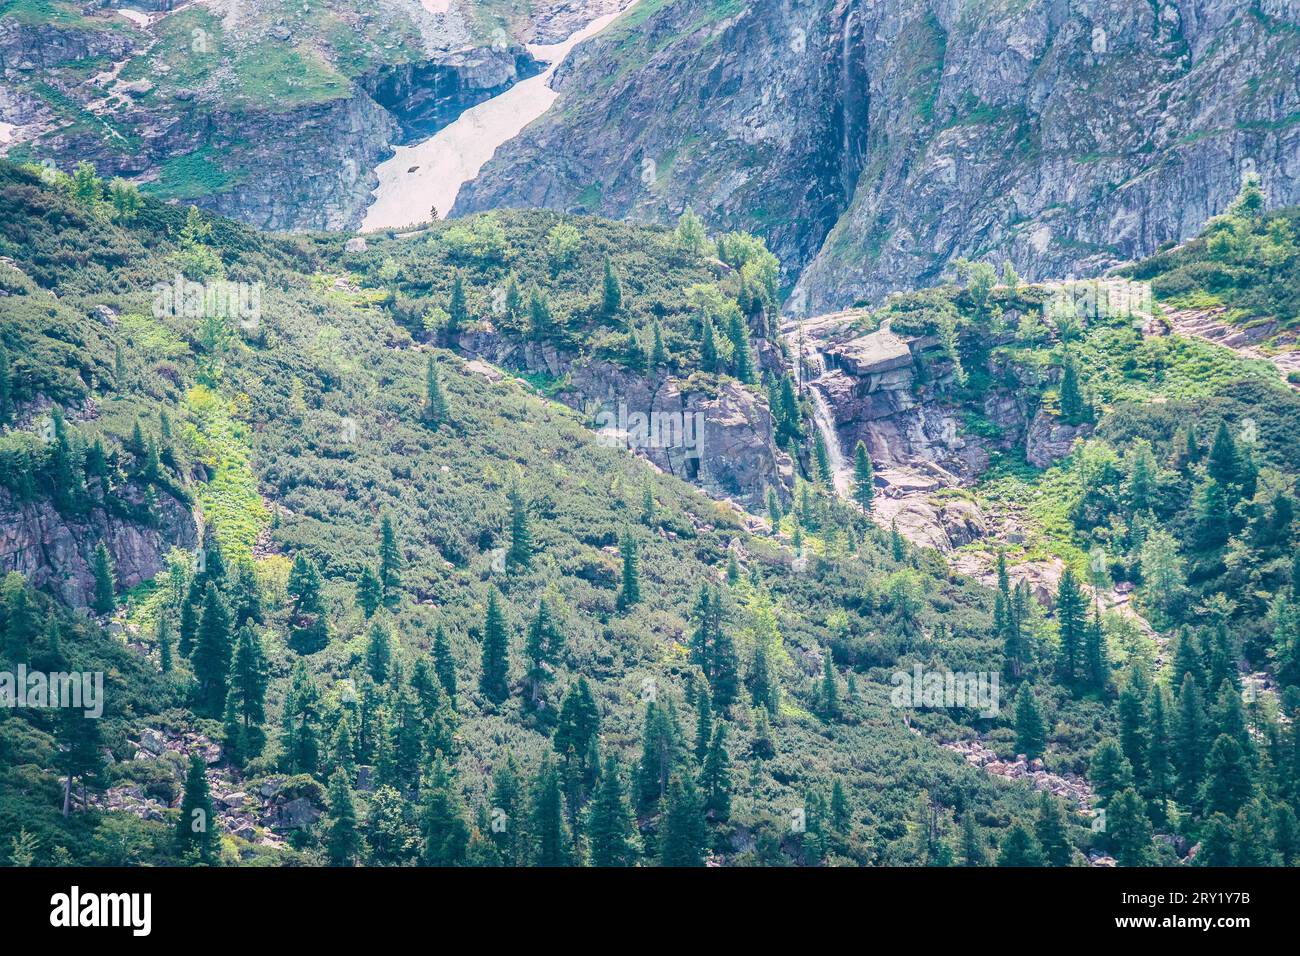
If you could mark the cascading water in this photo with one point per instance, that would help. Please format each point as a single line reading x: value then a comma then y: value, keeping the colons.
x: 814, y: 366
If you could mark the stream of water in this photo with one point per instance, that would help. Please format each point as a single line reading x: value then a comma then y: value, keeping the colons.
x: 428, y: 175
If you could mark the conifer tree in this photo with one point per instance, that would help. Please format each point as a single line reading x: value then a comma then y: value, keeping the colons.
x: 1109, y: 770
x: 1020, y: 849
x: 196, y: 829
x: 165, y: 643
x: 246, y: 698
x: 105, y: 581
x: 1050, y: 830
x: 703, y: 723
x: 630, y: 593
x: 1131, y: 711
x: 1074, y: 408
x: 1128, y: 829
x: 1224, y: 463
x: 212, y: 653
x: 1216, y: 842
x: 609, y: 827
x: 863, y: 481
x: 1160, y: 771
x: 442, y: 818
x: 444, y: 664
x: 390, y: 559
x: 508, y: 830
x: 658, y: 354
x: 541, y: 322
x: 841, y: 812
x: 774, y: 514
x: 370, y: 593
x: 6, y: 388
x: 1096, y: 666
x: 708, y: 346
x: 828, y: 698
x: 550, y: 841
x: 611, y: 291
x: 684, y: 832
x: 457, y: 310
x: 307, y: 613
x: 299, y: 739
x: 379, y: 652
x: 973, y: 852
x: 80, y: 756
x: 1190, y: 741
x: 520, y: 555
x: 435, y: 402
x: 1070, y: 625
x: 715, y: 777
x: 19, y: 619
x: 1228, y: 784
x: 1031, y: 731
x: 821, y: 458
x: 342, y: 842
x: 494, y: 681
x: 742, y: 363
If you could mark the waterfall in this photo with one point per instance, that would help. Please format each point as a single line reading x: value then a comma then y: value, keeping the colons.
x: 841, y: 470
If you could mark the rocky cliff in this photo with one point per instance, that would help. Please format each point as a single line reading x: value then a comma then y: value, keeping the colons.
x: 55, y: 552
x: 712, y: 431
x: 873, y: 142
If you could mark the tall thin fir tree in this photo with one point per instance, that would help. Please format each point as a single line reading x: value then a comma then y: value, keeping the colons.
x: 495, y: 679
x: 863, y: 477
x: 520, y: 556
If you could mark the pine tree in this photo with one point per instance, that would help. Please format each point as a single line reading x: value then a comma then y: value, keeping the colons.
x: 579, y: 725
x: 609, y: 827
x: 658, y: 354
x: 1109, y: 770
x: 342, y: 842
x: 611, y: 292
x: 684, y: 831
x: 863, y: 481
x: 1216, y: 842
x: 309, y: 625
x: 841, y: 812
x: 715, y: 777
x: 821, y: 458
x: 196, y: 829
x: 212, y: 654
x: 1031, y: 731
x: 520, y: 556
x: 1050, y: 830
x: 508, y: 831
x: 105, y: 582
x: 494, y: 681
x: 390, y: 560
x: 774, y: 514
x: 630, y: 593
x: 1190, y: 741
x: 246, y: 699
x: 703, y: 723
x: 18, y: 618
x: 435, y: 402
x: 1096, y: 665
x: 1224, y: 463
x: 1213, y: 518
x: 370, y: 593
x: 165, y: 643
x: 1131, y: 711
x: 541, y: 322
x: 648, y: 506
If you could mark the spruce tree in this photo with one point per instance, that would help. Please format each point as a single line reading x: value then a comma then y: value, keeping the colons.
x: 1109, y: 770
x: 1160, y: 771
x: 457, y: 311
x: 742, y: 362
x: 390, y: 560
x: 1031, y: 731
x: 1128, y: 830
x: 708, y: 346
x: 19, y: 619
x: 630, y: 593
x: 828, y: 697
x: 658, y: 354
x: 1190, y: 741
x: 520, y: 556
x: 342, y: 842
x: 444, y: 663
x: 609, y: 827
x: 442, y: 818
x: 1020, y: 849
x: 774, y: 514
x: 1073, y: 405
x: 550, y: 841
x: 1070, y: 625
x: 105, y: 581
x: 821, y: 459
x: 6, y: 388
x: 1050, y: 830
x: 863, y: 481
x: 611, y: 291
x: 196, y: 829
x: 494, y: 681
x: 684, y: 832
x: 370, y: 593
x: 1224, y: 463
x: 246, y: 698
x: 379, y: 652
x: 435, y: 402
x: 715, y: 777
x: 80, y: 755
x: 1228, y: 783
x: 212, y: 654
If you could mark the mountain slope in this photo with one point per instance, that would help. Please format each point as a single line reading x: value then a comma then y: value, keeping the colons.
x: 870, y: 144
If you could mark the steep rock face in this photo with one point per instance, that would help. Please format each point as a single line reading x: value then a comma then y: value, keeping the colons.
x: 717, y: 434
x: 872, y: 142
x: 56, y: 553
